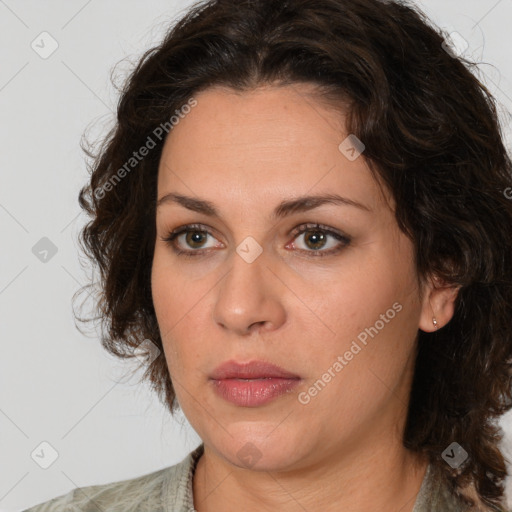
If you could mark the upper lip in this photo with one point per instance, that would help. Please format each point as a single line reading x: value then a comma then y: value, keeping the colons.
x: 250, y: 370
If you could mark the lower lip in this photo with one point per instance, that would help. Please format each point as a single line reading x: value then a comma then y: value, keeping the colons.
x: 254, y: 392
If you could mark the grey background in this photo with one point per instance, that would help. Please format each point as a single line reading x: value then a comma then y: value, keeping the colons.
x: 57, y: 385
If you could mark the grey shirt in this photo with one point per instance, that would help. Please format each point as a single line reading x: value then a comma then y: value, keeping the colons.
x: 170, y: 490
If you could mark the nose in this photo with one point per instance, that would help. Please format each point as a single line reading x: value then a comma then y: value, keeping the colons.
x: 249, y: 298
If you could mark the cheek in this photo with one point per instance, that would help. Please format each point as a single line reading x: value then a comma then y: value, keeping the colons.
x: 356, y: 296
x: 375, y: 352
x: 172, y: 294
x: 178, y: 303
x: 375, y: 305
x: 168, y: 308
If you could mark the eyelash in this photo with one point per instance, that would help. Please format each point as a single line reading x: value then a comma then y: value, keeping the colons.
x: 296, y: 232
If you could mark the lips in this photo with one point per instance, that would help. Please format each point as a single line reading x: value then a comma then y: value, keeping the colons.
x: 252, y: 370
x: 252, y: 384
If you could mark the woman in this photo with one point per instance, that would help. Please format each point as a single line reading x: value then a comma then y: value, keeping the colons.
x: 303, y: 206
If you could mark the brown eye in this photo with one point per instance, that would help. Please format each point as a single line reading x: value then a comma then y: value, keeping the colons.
x: 195, y: 238
x: 316, y: 239
x: 191, y: 240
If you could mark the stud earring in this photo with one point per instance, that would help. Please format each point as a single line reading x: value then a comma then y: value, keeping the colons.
x: 434, y: 321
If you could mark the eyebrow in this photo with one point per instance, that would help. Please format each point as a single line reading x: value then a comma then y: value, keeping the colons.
x: 285, y: 208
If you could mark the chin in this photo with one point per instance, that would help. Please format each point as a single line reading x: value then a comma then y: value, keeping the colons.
x: 261, y: 449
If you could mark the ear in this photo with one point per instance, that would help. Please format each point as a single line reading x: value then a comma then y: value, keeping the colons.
x: 438, y: 303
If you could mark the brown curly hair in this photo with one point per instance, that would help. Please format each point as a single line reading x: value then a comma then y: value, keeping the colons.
x: 432, y: 135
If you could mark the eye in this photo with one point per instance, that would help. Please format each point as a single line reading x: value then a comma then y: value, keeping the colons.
x: 316, y: 237
x: 193, y: 235
x: 316, y: 240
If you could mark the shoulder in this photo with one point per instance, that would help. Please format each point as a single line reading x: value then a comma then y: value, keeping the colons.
x: 125, y: 494
x: 156, y: 491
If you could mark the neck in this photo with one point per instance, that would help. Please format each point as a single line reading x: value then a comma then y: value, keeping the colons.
x: 384, y: 477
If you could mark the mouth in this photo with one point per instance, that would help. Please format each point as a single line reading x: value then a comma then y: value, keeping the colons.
x: 252, y: 384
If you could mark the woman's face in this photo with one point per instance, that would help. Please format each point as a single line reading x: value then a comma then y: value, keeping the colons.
x: 339, y: 314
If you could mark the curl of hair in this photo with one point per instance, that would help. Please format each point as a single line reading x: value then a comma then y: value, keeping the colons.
x: 432, y: 136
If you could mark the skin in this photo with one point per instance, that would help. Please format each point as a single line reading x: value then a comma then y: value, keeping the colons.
x: 245, y: 153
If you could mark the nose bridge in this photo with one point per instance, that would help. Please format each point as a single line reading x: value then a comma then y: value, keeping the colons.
x: 247, y: 295
x: 245, y: 281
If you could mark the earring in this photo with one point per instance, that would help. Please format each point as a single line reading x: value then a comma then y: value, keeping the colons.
x: 434, y: 321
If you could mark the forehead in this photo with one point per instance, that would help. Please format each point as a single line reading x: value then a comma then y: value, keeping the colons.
x: 270, y: 140
x: 265, y: 117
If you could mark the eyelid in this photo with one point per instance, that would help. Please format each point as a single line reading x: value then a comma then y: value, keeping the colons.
x: 310, y: 226
x: 202, y: 228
